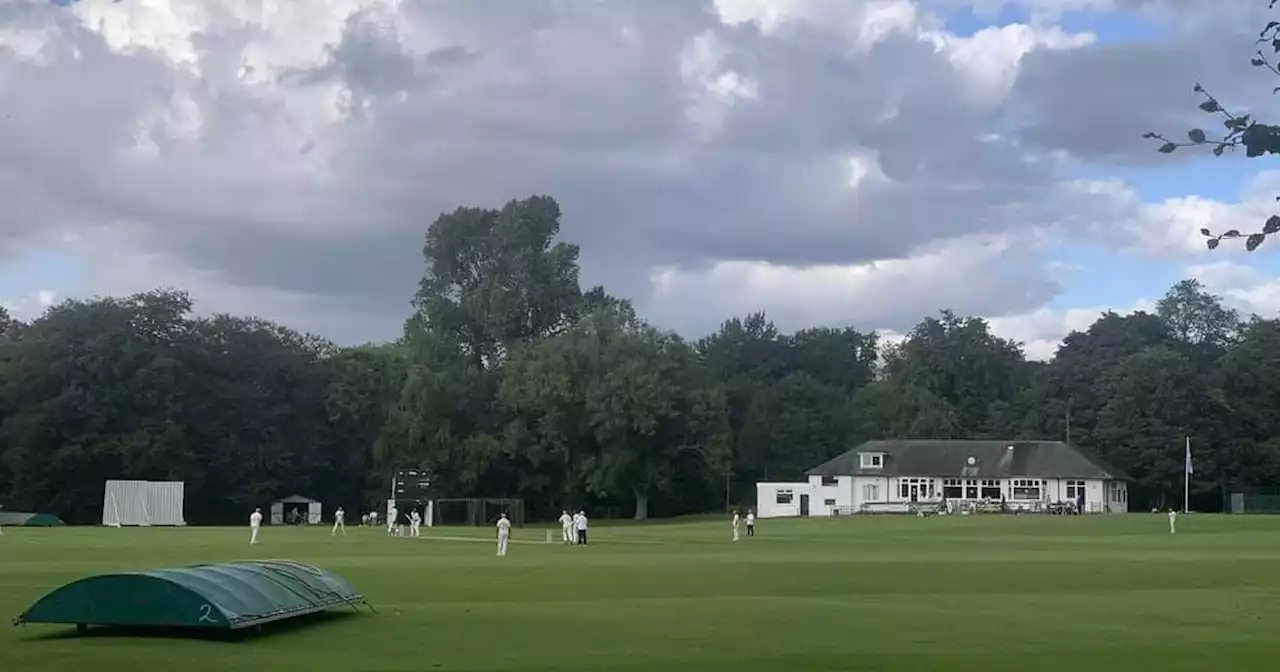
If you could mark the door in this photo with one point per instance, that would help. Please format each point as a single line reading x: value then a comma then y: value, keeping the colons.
x: 804, y: 505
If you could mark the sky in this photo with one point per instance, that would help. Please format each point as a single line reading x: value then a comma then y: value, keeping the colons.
x: 829, y: 162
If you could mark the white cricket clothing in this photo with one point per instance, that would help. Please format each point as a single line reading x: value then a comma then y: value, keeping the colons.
x: 566, y: 528
x: 392, y: 516
x: 504, y: 534
x: 737, y: 521
x: 580, y: 521
x: 255, y: 523
x: 751, y: 519
x: 1173, y: 522
x: 339, y: 518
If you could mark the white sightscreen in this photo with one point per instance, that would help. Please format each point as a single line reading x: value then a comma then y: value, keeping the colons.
x: 143, y: 503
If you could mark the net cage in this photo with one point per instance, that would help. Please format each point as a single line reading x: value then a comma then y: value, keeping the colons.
x: 481, y: 511
x: 1254, y: 500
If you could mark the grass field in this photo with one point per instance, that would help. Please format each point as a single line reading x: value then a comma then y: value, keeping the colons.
x: 979, y: 593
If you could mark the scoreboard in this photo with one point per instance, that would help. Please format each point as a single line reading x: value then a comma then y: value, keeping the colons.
x: 411, y: 484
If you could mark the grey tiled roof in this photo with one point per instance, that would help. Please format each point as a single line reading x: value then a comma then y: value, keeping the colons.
x: 991, y: 459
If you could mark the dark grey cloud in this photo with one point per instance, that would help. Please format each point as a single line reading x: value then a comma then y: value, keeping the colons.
x: 303, y: 191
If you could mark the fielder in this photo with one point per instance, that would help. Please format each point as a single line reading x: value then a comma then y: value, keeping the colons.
x: 504, y: 534
x: 393, y: 515
x: 255, y: 523
x: 339, y: 518
x: 737, y: 520
x: 1173, y: 521
x: 751, y: 522
x: 415, y: 523
x: 566, y: 527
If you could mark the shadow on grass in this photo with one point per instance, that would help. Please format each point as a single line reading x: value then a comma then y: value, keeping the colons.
x: 273, y: 629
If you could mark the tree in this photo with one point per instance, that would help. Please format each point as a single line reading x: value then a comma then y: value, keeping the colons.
x: 1197, y: 318
x: 959, y: 361
x: 1240, y: 130
x: 495, y: 278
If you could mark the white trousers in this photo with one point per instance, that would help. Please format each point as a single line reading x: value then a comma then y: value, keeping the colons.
x: 413, y: 529
x: 736, y: 534
x: 568, y: 534
x: 339, y: 525
x: 1173, y: 529
x: 253, y: 534
x: 502, y: 544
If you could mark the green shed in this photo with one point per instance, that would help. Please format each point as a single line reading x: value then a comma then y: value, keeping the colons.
x: 229, y: 596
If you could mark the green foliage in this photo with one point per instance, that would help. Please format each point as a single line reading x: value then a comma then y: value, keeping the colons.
x: 511, y: 381
x: 1239, y: 130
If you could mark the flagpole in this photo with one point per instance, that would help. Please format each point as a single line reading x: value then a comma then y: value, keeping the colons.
x: 1186, y: 478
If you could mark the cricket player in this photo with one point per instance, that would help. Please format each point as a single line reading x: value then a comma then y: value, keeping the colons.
x: 415, y: 523
x: 751, y: 522
x: 393, y: 515
x: 566, y: 526
x: 580, y: 523
x: 504, y: 534
x: 255, y: 523
x: 737, y: 521
x: 339, y: 522
x: 1173, y: 521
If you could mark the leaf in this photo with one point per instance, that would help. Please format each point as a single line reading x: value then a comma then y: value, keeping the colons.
x: 1212, y: 243
x: 1233, y: 233
x: 1167, y: 148
x: 1205, y: 233
x: 1217, y: 151
x: 1196, y: 135
x: 1272, y: 225
x: 1254, y: 241
x: 1211, y: 106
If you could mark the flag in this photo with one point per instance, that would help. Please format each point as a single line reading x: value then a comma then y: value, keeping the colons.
x: 1190, y: 469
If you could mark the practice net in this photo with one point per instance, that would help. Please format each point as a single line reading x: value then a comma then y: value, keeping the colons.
x: 1255, y: 500
x: 481, y: 511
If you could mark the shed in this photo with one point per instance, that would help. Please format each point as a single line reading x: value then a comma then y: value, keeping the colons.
x: 229, y: 596
x: 296, y: 510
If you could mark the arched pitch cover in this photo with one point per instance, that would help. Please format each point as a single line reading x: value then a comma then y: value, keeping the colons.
x: 228, y: 596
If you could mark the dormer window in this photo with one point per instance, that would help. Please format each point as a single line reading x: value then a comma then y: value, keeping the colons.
x: 872, y: 460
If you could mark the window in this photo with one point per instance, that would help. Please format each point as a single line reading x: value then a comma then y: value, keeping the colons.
x: 829, y: 502
x: 951, y: 489
x: 872, y: 460
x: 1075, y: 490
x: 971, y: 489
x: 870, y: 492
x: 1027, y: 488
x: 990, y: 489
x: 785, y: 496
x: 828, y: 481
x: 1118, y: 492
x: 915, y: 489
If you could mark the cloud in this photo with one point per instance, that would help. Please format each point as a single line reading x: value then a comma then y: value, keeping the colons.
x: 850, y: 162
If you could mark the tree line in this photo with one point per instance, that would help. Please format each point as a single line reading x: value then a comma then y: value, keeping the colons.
x: 511, y: 380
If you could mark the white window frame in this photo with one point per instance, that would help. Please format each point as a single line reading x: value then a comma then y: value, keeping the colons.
x: 871, y: 460
x: 1076, y: 489
x: 987, y: 485
x: 971, y: 489
x: 870, y: 492
x: 953, y: 483
x: 784, y: 496
x: 834, y: 481
x: 924, y: 489
x: 1021, y: 490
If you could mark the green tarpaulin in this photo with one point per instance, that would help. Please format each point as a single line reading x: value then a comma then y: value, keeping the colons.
x: 22, y: 519
x: 227, y: 596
